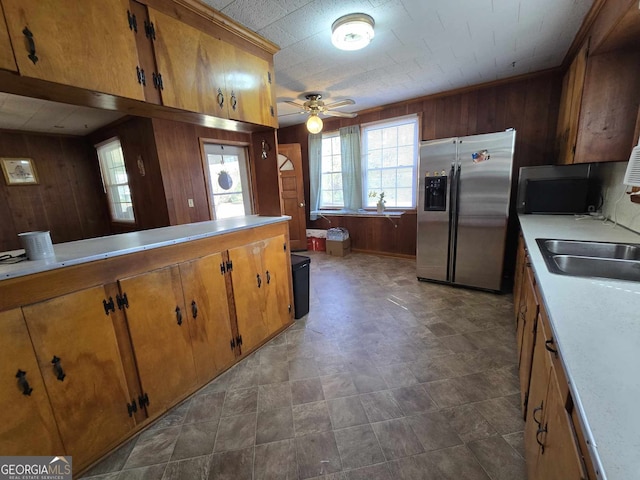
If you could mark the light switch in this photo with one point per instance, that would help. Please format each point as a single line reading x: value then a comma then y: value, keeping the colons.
x: 190, y: 201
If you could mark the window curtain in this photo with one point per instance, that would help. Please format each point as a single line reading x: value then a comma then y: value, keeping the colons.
x: 351, y: 167
x: 315, y: 172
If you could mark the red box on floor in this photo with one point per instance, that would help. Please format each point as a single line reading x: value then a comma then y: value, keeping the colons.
x: 316, y: 244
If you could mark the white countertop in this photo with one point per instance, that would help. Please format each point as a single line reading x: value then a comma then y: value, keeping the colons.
x: 83, y: 251
x: 596, y: 325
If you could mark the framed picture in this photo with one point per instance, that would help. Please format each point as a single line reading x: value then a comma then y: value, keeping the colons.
x: 19, y: 171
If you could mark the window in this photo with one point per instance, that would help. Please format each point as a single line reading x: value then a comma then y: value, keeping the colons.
x: 390, y: 151
x: 228, y: 179
x: 331, y: 181
x: 115, y: 181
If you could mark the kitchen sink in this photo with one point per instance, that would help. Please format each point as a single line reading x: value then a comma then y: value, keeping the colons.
x: 619, y: 261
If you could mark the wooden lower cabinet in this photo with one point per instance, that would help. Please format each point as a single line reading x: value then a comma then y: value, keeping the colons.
x: 78, y: 355
x: 203, y: 286
x: 28, y: 425
x: 527, y: 334
x: 521, y: 261
x: 157, y: 317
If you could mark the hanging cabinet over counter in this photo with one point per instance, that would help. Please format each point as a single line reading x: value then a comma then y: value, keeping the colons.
x: 94, y: 348
x: 179, y: 54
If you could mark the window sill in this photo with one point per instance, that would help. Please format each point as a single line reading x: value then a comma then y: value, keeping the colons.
x: 359, y: 213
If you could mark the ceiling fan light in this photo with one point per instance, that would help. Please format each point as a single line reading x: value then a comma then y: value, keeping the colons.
x: 352, y: 32
x: 314, y: 124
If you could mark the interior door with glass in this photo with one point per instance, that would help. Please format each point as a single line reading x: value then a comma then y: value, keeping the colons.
x: 292, y: 193
x: 227, y: 173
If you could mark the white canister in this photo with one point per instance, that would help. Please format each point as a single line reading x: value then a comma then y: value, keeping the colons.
x: 37, y: 245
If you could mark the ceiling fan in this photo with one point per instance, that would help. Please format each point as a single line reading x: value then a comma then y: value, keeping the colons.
x: 314, y: 106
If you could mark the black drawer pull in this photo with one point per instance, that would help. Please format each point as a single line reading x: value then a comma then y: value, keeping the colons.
x: 31, y: 45
x: 268, y: 277
x: 22, y: 382
x: 179, y: 315
x: 547, y: 345
x: 259, y: 280
x: 194, y: 309
x: 57, y: 368
x: 536, y: 410
x: 541, y: 430
x: 220, y: 98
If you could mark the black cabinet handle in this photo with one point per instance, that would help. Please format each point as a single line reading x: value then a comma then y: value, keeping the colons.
x: 268, y: 278
x: 548, y: 344
x: 538, y: 432
x: 194, y: 309
x: 141, y: 77
x: 536, y: 410
x: 31, y: 45
x: 122, y: 301
x: 22, y: 382
x: 110, y: 305
x: 57, y: 368
x: 220, y: 98
x: 259, y: 280
x: 179, y: 315
x: 234, y: 101
x: 133, y: 22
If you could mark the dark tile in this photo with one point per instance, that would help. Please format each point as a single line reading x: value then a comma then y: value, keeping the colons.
x: 346, y: 412
x: 317, y: 455
x: 152, y: 447
x: 397, y: 439
x: 398, y: 375
x: 468, y: 423
x: 240, y: 402
x: 275, y: 372
x: 273, y: 354
x: 433, y: 431
x: 373, y: 472
x: 413, y: 468
x: 193, y: 469
x: 300, y: 368
x: 244, y: 376
x: 277, y: 395
x: 311, y: 418
x: 445, y: 393
x: 358, y: 447
x: 441, y: 329
x: 195, y: 440
x: 458, y: 343
x: 499, y: 460
x: 503, y: 413
x: 454, y: 463
x: 274, y: 425
x: 306, y: 391
x: 236, y: 465
x: 115, y: 461
x: 338, y: 385
x: 368, y: 381
x: 205, y: 408
x: 380, y: 406
x: 516, y: 440
x: 275, y: 461
x: 152, y: 472
x: 486, y: 385
x: 414, y: 399
x: 236, y: 432
x: 174, y: 417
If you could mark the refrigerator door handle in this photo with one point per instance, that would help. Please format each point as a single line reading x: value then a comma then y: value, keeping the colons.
x: 453, y: 240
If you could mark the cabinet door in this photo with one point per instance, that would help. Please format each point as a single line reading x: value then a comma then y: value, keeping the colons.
x: 86, y: 386
x: 7, y: 62
x: 248, y: 84
x: 277, y: 274
x: 192, y: 66
x: 161, y: 341
x: 248, y: 282
x: 205, y: 294
x: 519, y: 278
x: 28, y: 426
x: 528, y: 338
x: 86, y: 44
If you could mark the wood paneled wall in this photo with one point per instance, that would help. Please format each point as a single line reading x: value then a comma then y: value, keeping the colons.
x: 529, y: 104
x: 69, y: 200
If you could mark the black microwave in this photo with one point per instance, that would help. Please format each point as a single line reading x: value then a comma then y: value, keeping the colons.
x: 557, y: 195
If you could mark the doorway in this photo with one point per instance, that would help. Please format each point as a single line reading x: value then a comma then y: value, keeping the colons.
x: 292, y: 193
x: 228, y: 181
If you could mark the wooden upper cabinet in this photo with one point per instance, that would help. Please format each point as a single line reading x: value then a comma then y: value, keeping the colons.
x: 161, y: 341
x: 205, y: 294
x: 86, y: 44
x: 78, y: 354
x: 28, y: 425
x: 251, y: 85
x: 7, y: 62
x: 191, y: 65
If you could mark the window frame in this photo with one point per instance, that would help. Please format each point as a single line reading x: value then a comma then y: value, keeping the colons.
x: 107, y: 187
x: 321, y: 206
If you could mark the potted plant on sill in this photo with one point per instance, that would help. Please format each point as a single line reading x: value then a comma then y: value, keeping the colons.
x: 381, y: 200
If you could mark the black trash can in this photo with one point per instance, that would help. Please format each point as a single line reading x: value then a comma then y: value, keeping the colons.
x: 300, y: 273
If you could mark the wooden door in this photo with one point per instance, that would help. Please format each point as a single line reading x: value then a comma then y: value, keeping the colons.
x: 205, y: 294
x: 86, y: 44
x: 248, y: 282
x: 192, y: 66
x: 278, y: 274
x: 528, y: 337
x: 292, y: 193
x: 161, y: 340
x: 249, y: 88
x: 28, y: 425
x: 7, y: 62
x: 536, y: 406
x: 86, y: 386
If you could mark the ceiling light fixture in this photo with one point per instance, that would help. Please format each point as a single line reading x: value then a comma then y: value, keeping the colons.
x: 314, y: 123
x: 352, y: 32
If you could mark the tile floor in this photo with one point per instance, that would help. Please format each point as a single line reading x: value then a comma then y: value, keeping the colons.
x: 387, y: 377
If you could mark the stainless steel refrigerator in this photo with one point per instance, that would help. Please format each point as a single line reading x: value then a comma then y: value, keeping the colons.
x: 464, y: 186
